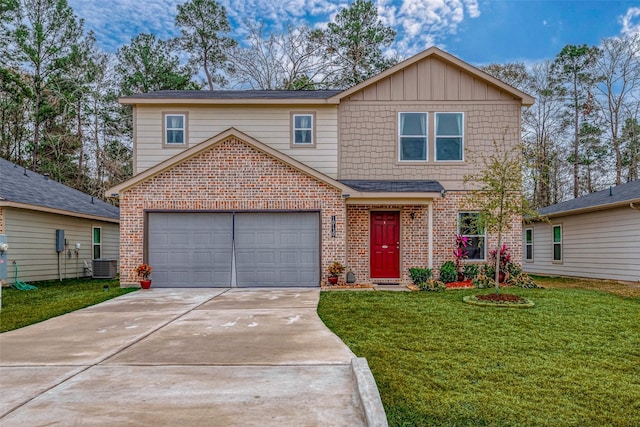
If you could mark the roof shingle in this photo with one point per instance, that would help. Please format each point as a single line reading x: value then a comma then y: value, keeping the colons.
x: 629, y: 191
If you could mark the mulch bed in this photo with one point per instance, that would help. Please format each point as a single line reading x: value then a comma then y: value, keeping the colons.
x: 507, y: 298
x: 465, y: 284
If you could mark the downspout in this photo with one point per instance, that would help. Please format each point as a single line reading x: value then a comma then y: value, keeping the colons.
x: 631, y: 205
x: 430, y: 234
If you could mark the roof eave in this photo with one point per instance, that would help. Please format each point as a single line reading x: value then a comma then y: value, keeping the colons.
x: 46, y: 209
x: 620, y: 204
x: 230, y: 101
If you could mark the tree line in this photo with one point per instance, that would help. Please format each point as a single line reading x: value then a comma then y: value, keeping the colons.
x: 58, y: 90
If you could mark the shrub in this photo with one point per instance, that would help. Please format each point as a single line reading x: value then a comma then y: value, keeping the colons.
x: 420, y: 275
x: 432, y: 285
x: 522, y: 280
x: 489, y: 270
x: 470, y: 271
x: 483, y: 281
x: 448, y: 272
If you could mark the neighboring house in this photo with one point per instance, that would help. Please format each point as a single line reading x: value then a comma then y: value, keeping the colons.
x: 595, y: 236
x: 33, y: 207
x: 267, y: 188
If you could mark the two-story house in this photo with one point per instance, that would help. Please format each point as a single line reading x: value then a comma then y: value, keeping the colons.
x: 268, y: 188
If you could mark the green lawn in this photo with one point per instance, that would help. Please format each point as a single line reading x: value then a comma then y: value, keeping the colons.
x: 573, y: 360
x: 22, y: 308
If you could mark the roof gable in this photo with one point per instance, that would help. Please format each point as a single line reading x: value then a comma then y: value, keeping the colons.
x: 433, y: 75
x: 21, y: 187
x: 211, y: 142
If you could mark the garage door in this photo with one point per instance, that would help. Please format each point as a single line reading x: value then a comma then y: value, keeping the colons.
x: 241, y: 249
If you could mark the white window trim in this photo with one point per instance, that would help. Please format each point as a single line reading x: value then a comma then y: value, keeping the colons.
x: 553, y: 244
x: 94, y: 244
x: 425, y: 136
x: 435, y: 136
x: 484, y: 248
x: 185, y: 119
x: 295, y: 114
x: 528, y: 244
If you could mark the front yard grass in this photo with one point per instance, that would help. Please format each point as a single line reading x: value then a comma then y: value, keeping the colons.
x: 53, y: 298
x: 573, y: 360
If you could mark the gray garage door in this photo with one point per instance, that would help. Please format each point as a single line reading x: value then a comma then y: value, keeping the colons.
x: 241, y: 249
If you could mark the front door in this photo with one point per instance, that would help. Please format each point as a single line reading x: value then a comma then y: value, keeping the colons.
x: 385, y: 245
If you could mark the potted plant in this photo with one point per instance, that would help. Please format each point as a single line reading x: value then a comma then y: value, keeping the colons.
x: 335, y: 270
x: 144, y: 271
x: 460, y: 253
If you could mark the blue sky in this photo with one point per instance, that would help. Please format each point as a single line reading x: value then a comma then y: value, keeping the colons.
x: 477, y: 31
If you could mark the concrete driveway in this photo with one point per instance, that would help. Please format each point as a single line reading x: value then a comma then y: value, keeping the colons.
x: 191, y: 357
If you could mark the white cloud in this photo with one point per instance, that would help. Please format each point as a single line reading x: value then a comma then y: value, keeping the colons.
x: 631, y: 22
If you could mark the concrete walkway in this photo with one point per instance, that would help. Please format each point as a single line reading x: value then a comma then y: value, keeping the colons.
x: 189, y: 357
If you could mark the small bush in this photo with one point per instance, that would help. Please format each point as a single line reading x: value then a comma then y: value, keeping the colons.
x: 470, y: 271
x: 483, y: 281
x: 514, y: 269
x: 489, y: 270
x: 522, y: 280
x: 448, y: 272
x: 432, y: 285
x: 420, y: 275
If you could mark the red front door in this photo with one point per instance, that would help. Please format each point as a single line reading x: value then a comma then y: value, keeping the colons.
x: 385, y: 245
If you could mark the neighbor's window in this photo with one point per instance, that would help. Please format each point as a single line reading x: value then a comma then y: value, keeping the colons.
x: 175, y: 129
x: 303, y: 129
x: 528, y: 244
x: 557, y: 243
x: 97, y: 242
x: 412, y: 131
x: 468, y: 226
x: 449, y: 136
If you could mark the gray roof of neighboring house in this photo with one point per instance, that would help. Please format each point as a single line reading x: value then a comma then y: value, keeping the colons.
x: 236, y: 94
x: 21, y: 185
x: 387, y: 186
x: 626, y: 192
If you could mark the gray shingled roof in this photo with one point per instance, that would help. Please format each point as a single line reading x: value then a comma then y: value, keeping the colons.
x: 627, y: 192
x: 21, y: 185
x: 387, y: 186
x: 236, y: 94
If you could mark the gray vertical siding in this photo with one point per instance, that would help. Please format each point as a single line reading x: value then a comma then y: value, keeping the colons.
x: 31, y: 236
x: 600, y: 245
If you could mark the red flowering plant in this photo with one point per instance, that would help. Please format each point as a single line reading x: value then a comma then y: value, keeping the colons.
x: 144, y: 271
x: 460, y: 252
x: 505, y: 258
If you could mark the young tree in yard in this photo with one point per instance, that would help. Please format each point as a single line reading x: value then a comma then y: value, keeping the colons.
x: 353, y: 43
x: 496, y: 191
x: 574, y: 69
x: 203, y: 24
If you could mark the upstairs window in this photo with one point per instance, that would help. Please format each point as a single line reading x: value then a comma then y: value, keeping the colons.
x: 557, y: 243
x: 449, y: 136
x: 469, y: 226
x: 528, y: 244
x: 303, y: 129
x: 412, y: 135
x: 175, y: 129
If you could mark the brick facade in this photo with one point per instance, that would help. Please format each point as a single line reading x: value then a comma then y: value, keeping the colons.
x: 231, y: 175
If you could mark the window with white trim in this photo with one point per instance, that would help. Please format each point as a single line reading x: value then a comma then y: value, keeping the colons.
x: 469, y: 226
x: 175, y: 129
x: 303, y: 129
x: 449, y: 145
x: 97, y: 242
x: 528, y: 244
x: 557, y: 243
x: 412, y: 137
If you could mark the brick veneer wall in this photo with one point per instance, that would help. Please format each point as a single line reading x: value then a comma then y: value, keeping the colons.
x: 232, y: 175
x: 414, y: 235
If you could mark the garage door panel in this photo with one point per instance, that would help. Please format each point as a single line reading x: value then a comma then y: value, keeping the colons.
x: 277, y: 249
x: 190, y: 249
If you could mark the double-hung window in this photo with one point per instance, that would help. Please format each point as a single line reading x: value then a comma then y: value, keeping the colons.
x: 528, y: 244
x: 469, y: 226
x: 412, y: 135
x: 557, y: 243
x: 449, y: 136
x: 175, y: 129
x: 97, y: 242
x: 303, y: 129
